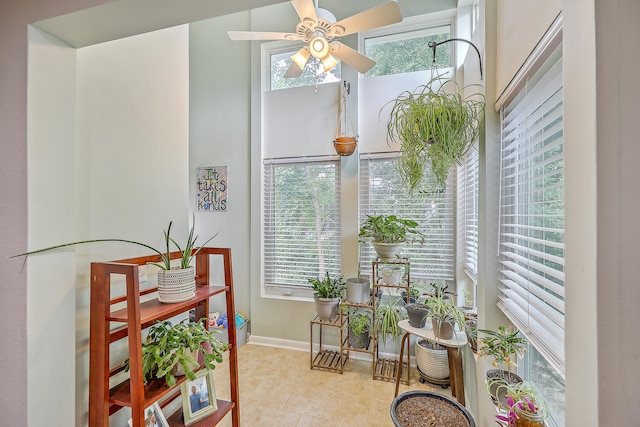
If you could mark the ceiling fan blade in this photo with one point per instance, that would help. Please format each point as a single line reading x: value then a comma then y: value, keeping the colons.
x: 379, y: 16
x: 258, y: 35
x: 352, y: 57
x: 293, y: 71
x: 305, y: 9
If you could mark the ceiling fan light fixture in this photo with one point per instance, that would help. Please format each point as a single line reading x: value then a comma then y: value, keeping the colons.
x: 328, y: 62
x: 319, y: 46
x: 301, y: 57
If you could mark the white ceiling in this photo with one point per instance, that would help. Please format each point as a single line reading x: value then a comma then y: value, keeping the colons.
x: 124, y: 18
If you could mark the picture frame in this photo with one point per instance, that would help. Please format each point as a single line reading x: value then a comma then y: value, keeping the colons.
x: 198, y: 397
x: 153, y: 417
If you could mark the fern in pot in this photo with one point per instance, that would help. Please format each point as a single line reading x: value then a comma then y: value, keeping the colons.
x: 435, y: 126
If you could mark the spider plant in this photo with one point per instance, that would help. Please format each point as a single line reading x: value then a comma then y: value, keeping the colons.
x: 433, y: 123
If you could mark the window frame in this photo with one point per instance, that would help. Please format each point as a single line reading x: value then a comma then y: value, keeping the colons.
x: 303, y: 291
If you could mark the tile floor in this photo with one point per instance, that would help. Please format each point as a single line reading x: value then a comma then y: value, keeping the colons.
x: 278, y: 388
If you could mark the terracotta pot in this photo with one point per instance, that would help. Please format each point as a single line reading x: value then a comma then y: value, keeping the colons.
x: 345, y: 145
x: 526, y: 419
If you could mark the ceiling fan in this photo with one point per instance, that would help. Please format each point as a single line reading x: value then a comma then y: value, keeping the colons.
x: 319, y: 30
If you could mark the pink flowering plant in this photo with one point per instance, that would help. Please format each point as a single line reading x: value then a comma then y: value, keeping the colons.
x: 522, y: 400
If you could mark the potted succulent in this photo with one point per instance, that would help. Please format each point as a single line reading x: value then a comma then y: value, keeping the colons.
x: 171, y: 350
x: 327, y: 294
x: 388, y: 233
x: 434, y: 124
x: 175, y: 284
x: 359, y: 326
x: 505, y: 346
x: 524, y: 406
x: 387, y: 316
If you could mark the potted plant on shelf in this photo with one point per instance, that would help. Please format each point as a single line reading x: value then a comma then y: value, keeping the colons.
x: 171, y: 350
x: 358, y: 288
x: 524, y: 406
x: 175, y: 284
x: 388, y: 233
x: 435, y: 123
x: 505, y: 346
x: 387, y: 316
x: 359, y: 326
x: 327, y: 294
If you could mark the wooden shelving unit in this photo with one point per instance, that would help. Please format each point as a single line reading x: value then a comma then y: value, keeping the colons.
x: 105, y: 400
x: 324, y: 358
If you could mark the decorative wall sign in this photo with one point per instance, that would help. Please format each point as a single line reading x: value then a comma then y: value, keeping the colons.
x: 211, y: 191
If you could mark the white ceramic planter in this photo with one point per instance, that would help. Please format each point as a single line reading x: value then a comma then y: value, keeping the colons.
x: 176, y: 285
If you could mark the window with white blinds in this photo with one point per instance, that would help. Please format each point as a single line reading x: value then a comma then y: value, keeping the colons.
x: 532, y: 211
x: 382, y: 193
x: 468, y: 175
x: 301, y: 220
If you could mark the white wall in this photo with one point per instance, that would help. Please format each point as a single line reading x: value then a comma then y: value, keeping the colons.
x: 519, y: 26
x: 108, y: 145
x: 51, y: 220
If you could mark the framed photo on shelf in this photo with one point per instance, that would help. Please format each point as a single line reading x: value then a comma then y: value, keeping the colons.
x: 153, y: 417
x: 198, y: 397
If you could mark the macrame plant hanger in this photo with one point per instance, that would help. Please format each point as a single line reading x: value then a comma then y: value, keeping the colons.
x: 344, y: 144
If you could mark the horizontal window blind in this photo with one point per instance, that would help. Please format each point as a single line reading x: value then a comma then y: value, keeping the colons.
x: 468, y: 176
x: 301, y: 220
x: 382, y: 193
x: 532, y: 212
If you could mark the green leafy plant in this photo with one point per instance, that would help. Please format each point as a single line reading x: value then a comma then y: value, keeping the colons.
x: 442, y: 308
x: 386, y: 320
x: 359, y: 322
x: 433, y: 123
x: 522, y: 401
x: 328, y: 287
x: 504, y: 345
x: 187, y: 253
x: 388, y: 229
x: 168, y: 345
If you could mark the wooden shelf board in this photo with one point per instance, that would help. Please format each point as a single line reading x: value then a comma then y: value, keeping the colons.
x: 154, y: 309
x: 224, y: 407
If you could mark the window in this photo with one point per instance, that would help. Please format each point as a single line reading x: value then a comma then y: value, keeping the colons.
x: 468, y: 208
x: 532, y: 211
x: 313, y: 72
x: 301, y: 221
x: 408, y: 51
x: 382, y: 193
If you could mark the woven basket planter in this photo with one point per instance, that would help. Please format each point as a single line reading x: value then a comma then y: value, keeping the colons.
x: 176, y: 285
x: 432, y: 359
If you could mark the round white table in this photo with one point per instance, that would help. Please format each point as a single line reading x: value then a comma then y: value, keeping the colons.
x: 452, y: 345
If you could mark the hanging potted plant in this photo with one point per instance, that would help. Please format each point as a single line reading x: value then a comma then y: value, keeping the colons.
x: 345, y: 143
x: 388, y: 233
x: 327, y: 294
x: 435, y: 124
x: 505, y: 346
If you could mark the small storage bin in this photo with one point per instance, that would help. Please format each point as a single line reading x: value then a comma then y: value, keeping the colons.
x: 242, y: 326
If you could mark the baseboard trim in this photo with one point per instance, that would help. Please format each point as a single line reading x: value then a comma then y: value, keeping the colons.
x: 304, y: 346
